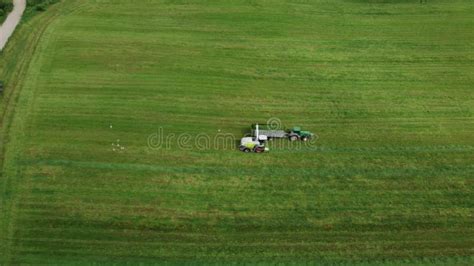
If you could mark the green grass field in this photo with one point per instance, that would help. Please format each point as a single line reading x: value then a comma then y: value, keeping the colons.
x: 386, y: 85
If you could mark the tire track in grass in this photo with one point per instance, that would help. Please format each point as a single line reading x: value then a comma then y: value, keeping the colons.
x: 10, y: 104
x: 17, y: 74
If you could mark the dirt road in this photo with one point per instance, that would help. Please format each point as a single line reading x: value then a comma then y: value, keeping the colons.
x: 8, y: 27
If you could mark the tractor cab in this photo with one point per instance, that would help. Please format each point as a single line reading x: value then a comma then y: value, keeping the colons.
x: 297, y: 134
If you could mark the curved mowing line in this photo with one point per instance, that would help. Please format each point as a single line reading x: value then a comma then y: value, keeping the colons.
x: 33, y: 32
x: 13, y: 19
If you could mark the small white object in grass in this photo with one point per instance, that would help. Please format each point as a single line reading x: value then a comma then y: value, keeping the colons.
x: 110, y: 125
x: 219, y: 130
x: 122, y: 148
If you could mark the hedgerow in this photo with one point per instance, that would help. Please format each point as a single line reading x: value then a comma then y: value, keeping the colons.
x: 40, y: 5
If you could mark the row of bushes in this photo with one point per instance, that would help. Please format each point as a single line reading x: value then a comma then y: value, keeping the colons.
x: 40, y: 5
x: 5, y: 7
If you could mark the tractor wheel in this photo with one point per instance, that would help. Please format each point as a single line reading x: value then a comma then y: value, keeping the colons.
x: 259, y: 149
x: 246, y: 150
x: 294, y: 138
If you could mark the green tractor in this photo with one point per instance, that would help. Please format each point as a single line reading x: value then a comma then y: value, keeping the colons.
x: 297, y: 134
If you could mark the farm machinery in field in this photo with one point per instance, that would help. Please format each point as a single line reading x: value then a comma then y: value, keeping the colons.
x: 254, y: 144
x: 257, y: 141
x: 292, y: 134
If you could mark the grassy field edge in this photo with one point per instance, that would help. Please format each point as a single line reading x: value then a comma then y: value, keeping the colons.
x: 15, y: 61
